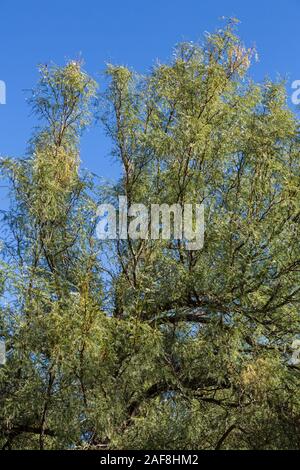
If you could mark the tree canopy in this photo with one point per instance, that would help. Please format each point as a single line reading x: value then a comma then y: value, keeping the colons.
x: 142, y: 344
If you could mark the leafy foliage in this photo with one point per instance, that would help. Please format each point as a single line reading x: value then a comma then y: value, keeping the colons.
x: 140, y: 343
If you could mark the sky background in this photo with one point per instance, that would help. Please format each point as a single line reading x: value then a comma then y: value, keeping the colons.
x: 134, y: 33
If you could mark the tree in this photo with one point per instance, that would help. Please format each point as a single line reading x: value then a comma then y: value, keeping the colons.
x: 141, y: 343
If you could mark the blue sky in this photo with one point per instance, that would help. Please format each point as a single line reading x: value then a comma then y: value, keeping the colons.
x: 133, y: 33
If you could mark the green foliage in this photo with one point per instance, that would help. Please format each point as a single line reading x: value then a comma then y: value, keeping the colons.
x: 143, y: 344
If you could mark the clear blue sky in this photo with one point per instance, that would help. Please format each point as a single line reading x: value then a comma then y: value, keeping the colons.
x: 131, y: 32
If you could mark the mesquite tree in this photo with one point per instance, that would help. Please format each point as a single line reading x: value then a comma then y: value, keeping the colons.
x: 142, y: 343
